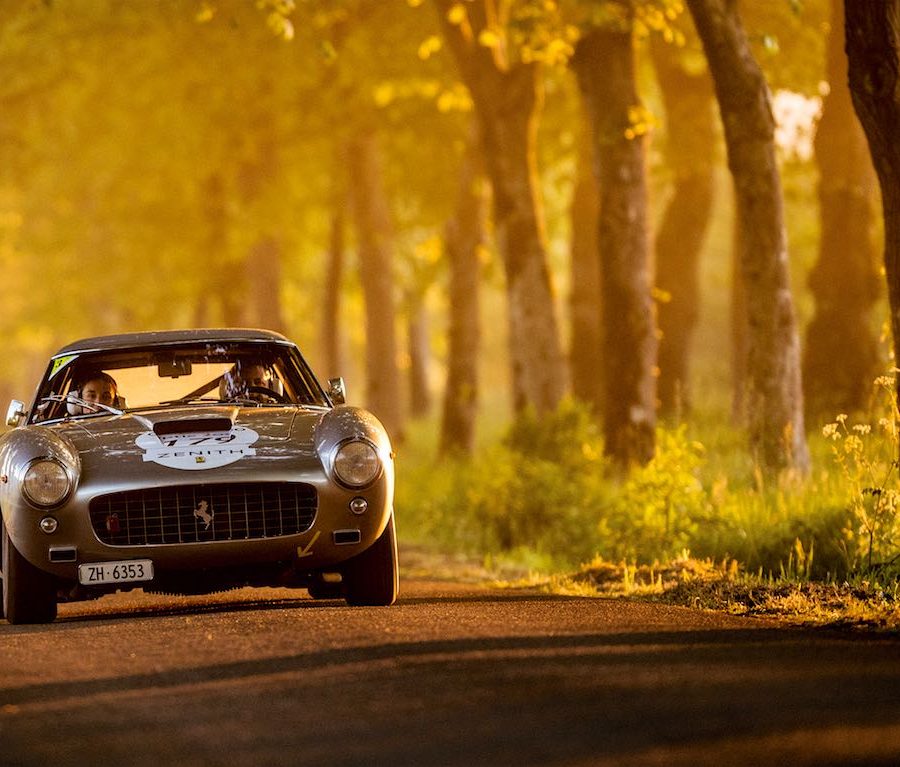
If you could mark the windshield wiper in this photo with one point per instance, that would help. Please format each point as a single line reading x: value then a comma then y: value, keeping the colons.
x: 92, y: 406
x: 189, y: 399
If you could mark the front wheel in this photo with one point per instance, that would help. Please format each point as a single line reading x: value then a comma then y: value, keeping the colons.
x: 29, y: 594
x: 373, y: 577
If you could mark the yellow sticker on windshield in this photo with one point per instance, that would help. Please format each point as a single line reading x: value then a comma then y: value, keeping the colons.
x: 60, y: 362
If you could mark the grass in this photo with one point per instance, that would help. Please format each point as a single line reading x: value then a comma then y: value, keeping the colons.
x: 539, y: 506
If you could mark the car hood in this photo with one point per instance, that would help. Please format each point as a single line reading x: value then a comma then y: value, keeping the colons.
x: 198, y: 438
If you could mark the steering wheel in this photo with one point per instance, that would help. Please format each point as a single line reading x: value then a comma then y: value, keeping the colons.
x: 267, y: 392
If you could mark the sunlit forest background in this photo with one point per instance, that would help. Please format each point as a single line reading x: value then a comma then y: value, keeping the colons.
x: 200, y: 163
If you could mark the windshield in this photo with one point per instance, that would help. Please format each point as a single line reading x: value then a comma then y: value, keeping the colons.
x: 251, y: 374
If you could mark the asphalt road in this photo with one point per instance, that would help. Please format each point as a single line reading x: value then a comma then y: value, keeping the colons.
x: 451, y: 675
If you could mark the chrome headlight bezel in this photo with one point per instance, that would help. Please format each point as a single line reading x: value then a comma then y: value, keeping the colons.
x: 356, y: 463
x: 63, y: 479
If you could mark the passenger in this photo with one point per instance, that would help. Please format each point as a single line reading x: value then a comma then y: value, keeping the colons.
x: 245, y: 380
x: 95, y: 387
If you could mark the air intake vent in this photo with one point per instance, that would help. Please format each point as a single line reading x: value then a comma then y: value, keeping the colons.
x: 191, y: 425
x: 201, y: 513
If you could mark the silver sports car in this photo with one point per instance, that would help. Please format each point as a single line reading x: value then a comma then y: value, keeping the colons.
x: 189, y: 462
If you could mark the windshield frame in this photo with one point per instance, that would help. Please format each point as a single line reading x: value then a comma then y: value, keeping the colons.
x: 301, y: 387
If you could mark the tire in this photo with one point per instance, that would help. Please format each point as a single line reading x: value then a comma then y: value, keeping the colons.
x: 29, y: 594
x: 321, y: 589
x: 373, y: 577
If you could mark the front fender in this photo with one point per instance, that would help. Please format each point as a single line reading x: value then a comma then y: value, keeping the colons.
x: 17, y: 449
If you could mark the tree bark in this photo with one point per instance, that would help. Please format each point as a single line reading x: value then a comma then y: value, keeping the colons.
x: 774, y: 395
x: 419, y: 357
x: 740, y: 332
x: 873, y: 51
x: 586, y: 351
x: 261, y: 300
x: 332, y: 347
x: 464, y: 238
x: 841, y: 355
x: 507, y: 100
x: 221, y: 298
x: 690, y: 137
x: 605, y: 64
x: 376, y: 252
x: 263, y: 279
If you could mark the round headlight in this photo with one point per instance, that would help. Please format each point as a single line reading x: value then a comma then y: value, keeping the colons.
x: 46, y: 482
x: 357, y: 464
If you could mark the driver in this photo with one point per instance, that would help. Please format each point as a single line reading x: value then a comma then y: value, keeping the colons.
x: 95, y: 387
x: 245, y: 379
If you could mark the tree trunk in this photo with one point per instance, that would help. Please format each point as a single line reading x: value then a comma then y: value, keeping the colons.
x: 261, y: 300
x: 690, y: 136
x: 605, y: 64
x: 376, y: 246
x: 263, y: 279
x: 873, y: 50
x: 507, y: 101
x: 739, y: 332
x: 221, y: 296
x: 334, y: 275
x: 774, y: 395
x: 586, y: 352
x: 419, y: 357
x: 464, y: 238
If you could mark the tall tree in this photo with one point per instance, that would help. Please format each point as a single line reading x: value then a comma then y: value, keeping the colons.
x: 464, y: 239
x: 688, y: 99
x: 841, y: 356
x: 376, y: 252
x: 219, y: 300
x: 605, y: 64
x: 873, y: 51
x: 507, y: 95
x: 256, y: 175
x: 586, y: 345
x: 334, y: 270
x: 774, y: 394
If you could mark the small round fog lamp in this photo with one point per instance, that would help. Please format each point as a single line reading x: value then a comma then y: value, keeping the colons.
x: 359, y: 505
x: 49, y: 525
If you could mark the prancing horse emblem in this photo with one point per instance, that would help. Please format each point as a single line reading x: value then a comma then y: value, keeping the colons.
x: 201, y: 513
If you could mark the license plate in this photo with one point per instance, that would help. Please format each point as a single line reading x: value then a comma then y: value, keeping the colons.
x: 127, y: 571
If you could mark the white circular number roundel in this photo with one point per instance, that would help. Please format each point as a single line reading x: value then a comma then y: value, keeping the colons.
x: 198, y: 450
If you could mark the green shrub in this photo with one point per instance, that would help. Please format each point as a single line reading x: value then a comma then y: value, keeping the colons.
x: 544, y: 492
x: 660, y: 508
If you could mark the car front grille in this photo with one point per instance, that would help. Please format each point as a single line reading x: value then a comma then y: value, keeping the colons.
x: 203, y: 513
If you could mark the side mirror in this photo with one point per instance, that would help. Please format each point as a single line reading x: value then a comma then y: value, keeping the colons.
x: 15, y: 413
x: 337, y: 391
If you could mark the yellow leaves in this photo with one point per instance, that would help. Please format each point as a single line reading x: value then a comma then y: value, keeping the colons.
x: 457, y: 14
x: 429, y: 250
x: 660, y: 295
x: 277, y: 13
x: 281, y: 27
x: 489, y: 38
x: 384, y: 94
x: 556, y: 52
x: 640, y: 120
x: 429, y: 47
x: 660, y: 18
x: 454, y: 99
x: 204, y: 13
